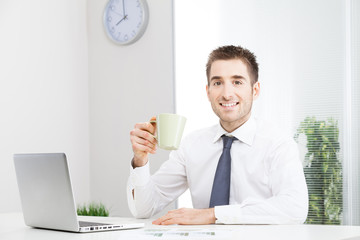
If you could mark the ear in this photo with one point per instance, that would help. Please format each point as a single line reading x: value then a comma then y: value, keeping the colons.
x: 207, y: 91
x: 256, y: 90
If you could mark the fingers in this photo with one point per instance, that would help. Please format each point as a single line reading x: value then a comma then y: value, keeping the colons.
x: 185, y: 216
x: 146, y: 126
x: 153, y: 118
x: 172, y: 217
x: 139, y: 147
x: 165, y: 220
x: 142, y: 136
x: 143, y: 140
x: 171, y: 221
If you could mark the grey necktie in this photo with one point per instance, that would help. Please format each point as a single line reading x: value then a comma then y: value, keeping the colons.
x: 221, y: 187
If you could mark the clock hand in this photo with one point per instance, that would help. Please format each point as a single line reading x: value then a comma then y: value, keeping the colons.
x: 124, y: 18
x: 123, y: 3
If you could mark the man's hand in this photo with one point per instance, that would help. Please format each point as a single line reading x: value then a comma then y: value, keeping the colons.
x: 143, y: 142
x: 187, y: 216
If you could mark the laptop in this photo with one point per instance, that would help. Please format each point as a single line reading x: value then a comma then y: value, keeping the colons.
x: 47, y: 198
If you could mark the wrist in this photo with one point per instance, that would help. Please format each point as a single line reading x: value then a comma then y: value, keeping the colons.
x: 136, y: 162
x: 212, y: 217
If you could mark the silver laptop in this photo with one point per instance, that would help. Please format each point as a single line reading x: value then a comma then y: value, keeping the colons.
x: 47, y: 198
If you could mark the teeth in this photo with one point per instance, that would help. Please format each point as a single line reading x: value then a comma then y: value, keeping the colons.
x: 228, y: 104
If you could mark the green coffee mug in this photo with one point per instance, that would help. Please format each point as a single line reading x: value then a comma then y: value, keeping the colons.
x: 169, y: 130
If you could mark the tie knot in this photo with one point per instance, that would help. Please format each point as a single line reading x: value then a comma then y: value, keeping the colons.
x: 227, y: 141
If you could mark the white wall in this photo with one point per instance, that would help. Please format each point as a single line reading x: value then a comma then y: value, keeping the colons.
x: 60, y: 94
x: 128, y: 84
x: 43, y: 89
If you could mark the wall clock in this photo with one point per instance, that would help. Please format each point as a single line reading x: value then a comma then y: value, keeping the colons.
x: 125, y: 21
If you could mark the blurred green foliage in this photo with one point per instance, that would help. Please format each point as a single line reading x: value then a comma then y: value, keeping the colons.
x: 323, y: 170
x: 92, y: 209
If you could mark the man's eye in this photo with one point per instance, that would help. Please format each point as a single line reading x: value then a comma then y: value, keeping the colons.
x: 238, y: 82
x: 217, y: 83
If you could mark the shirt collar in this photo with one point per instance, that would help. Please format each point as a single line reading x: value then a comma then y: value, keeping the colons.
x: 245, y: 133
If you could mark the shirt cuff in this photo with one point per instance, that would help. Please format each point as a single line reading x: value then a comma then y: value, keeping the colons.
x: 140, y: 176
x: 224, y: 214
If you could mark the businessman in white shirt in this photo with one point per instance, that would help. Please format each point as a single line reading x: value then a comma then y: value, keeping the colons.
x: 265, y: 180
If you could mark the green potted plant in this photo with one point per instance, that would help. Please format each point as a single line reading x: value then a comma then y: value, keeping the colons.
x: 93, y: 209
x: 323, y: 170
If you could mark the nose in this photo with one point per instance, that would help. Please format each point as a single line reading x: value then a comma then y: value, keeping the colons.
x: 228, y: 91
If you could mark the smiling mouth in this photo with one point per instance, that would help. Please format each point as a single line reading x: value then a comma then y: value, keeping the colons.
x: 233, y: 104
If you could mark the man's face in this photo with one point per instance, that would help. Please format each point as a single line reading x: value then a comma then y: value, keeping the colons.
x: 231, y: 93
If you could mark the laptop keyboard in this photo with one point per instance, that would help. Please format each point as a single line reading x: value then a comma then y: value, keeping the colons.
x: 91, y: 224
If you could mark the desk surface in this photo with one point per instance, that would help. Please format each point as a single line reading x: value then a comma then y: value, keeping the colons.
x: 12, y: 227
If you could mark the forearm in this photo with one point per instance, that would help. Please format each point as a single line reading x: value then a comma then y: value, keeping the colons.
x: 276, y: 210
x: 143, y: 199
x: 149, y: 195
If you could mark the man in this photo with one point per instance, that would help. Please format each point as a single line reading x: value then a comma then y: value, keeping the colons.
x: 264, y: 183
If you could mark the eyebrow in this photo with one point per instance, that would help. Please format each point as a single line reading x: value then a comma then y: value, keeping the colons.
x: 215, y: 78
x: 238, y: 77
x: 233, y: 77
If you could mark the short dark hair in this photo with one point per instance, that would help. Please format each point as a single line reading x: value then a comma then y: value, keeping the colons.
x: 234, y: 52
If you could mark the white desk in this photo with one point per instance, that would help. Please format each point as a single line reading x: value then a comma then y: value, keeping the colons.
x: 12, y: 227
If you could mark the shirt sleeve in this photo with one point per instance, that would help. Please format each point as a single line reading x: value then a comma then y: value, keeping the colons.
x: 147, y: 195
x: 289, y: 203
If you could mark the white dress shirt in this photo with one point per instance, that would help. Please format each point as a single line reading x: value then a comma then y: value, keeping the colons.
x: 267, y: 179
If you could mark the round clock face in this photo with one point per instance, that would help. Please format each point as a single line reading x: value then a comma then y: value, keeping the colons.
x: 125, y: 20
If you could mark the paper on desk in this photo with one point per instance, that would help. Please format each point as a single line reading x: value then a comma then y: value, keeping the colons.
x: 153, y: 233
